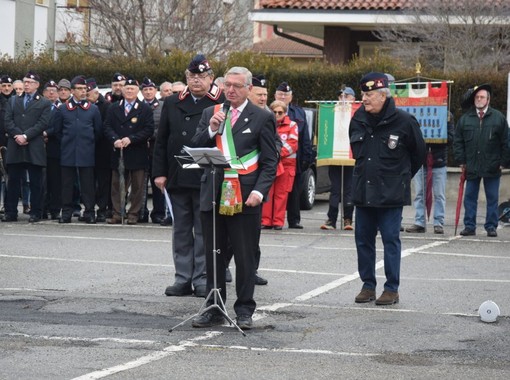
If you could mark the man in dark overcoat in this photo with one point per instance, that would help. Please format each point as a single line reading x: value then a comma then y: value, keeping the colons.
x: 128, y: 126
x: 179, y: 119
x: 77, y: 125
x: 26, y: 118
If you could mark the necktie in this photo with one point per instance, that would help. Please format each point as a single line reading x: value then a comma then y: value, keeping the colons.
x: 481, y: 113
x: 28, y: 98
x: 127, y: 108
x: 234, y: 116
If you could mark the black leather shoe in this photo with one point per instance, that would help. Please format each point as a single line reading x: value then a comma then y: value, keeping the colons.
x: 157, y: 219
x: 492, y: 232
x: 200, y: 291
x: 76, y: 213
x: 228, y: 275
x: 178, y: 290
x: 260, y: 280
x: 9, y: 218
x: 244, y: 322
x: 90, y: 220
x: 297, y: 226
x: 263, y: 227
x: 208, y: 319
x: 64, y: 220
x: 167, y: 221
x: 55, y: 216
x: 278, y: 228
x: 467, y: 232
x: 101, y: 218
x: 34, y: 219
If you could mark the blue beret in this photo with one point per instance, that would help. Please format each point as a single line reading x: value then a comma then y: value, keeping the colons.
x: 91, y: 84
x: 32, y: 75
x: 259, y: 81
x: 147, y: 82
x: 131, y: 81
x: 284, y: 87
x: 373, y: 81
x: 80, y: 79
x: 199, y: 64
x: 117, y: 77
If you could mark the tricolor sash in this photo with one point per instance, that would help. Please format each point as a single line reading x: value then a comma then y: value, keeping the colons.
x: 231, y: 201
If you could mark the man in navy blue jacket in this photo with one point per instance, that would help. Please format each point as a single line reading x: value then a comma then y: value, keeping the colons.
x: 77, y: 126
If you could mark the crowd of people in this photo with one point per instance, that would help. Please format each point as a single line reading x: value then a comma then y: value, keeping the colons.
x: 71, y: 146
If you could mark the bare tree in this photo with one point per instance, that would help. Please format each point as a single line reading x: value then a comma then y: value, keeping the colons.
x: 453, y: 35
x: 137, y: 27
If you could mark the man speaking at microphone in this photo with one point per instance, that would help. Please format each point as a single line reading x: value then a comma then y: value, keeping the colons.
x: 249, y: 134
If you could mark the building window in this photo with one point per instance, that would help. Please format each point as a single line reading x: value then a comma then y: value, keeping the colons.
x: 77, y: 3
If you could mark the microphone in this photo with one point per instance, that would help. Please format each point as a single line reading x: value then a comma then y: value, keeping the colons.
x: 226, y: 107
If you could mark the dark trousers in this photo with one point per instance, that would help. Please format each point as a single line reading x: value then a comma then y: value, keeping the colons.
x: 85, y: 177
x: 242, y: 230
x: 368, y: 221
x: 103, y: 178
x: 53, y: 202
x: 293, y: 203
x: 340, y: 192
x: 16, y: 173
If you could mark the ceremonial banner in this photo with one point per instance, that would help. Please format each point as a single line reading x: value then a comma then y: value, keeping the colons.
x: 333, y: 146
x: 428, y: 102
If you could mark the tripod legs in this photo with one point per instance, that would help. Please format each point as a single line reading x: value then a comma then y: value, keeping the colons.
x: 217, y: 305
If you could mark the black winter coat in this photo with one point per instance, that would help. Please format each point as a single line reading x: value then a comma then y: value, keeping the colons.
x: 388, y: 154
x: 138, y: 125
x: 179, y: 121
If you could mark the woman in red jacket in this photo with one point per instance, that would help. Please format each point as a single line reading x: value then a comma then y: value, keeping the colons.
x: 273, y: 211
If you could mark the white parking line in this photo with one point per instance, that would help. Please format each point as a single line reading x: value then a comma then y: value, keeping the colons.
x: 158, y: 355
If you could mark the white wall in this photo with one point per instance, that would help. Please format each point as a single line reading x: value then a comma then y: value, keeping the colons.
x: 7, y: 27
x: 40, y: 29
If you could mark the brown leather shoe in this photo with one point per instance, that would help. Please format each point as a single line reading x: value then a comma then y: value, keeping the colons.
x: 132, y: 220
x: 387, y: 298
x: 366, y: 295
x: 113, y: 221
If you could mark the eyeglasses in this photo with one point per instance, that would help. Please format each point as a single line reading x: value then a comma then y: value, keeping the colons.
x: 279, y: 113
x: 236, y: 86
x: 197, y: 76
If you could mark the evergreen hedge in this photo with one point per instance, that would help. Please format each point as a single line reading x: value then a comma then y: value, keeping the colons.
x: 316, y: 81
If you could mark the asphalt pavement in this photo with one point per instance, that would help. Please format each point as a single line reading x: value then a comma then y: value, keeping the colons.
x: 84, y: 301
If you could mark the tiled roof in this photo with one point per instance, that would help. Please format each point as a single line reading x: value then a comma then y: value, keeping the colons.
x: 284, y: 47
x: 339, y: 4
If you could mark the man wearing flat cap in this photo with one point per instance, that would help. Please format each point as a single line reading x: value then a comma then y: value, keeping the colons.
x: 26, y: 118
x: 64, y: 90
x: 389, y: 149
x: 128, y: 126
x: 481, y: 148
x: 305, y: 153
x: 77, y: 126
x: 180, y: 116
